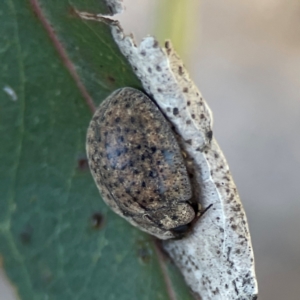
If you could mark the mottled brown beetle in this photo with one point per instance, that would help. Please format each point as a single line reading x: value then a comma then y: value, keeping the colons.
x: 137, y: 164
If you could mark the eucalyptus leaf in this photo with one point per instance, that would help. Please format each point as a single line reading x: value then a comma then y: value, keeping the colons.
x: 58, y: 240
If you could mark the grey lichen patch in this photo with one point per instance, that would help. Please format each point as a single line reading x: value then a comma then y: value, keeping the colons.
x: 209, y: 268
x: 216, y: 258
x: 137, y: 164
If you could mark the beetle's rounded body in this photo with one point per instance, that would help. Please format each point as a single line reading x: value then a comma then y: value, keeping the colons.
x: 137, y: 164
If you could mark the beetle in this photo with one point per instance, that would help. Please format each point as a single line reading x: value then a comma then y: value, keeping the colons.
x: 138, y: 166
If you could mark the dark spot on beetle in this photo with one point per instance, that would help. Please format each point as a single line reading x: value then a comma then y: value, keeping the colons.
x: 234, y: 227
x: 188, y: 103
x: 202, y: 116
x: 135, y: 172
x: 189, y: 142
x: 138, y: 147
x: 159, y: 90
x: 117, y: 120
x: 152, y: 174
x: 143, y: 53
x: 116, y: 184
x: 226, y: 286
x: 127, y: 105
x: 120, y: 139
x: 175, y: 111
x: 132, y: 119
x: 193, y: 116
x: 185, y: 90
x: 143, y: 184
x: 153, y: 149
x: 97, y: 220
x: 121, y: 150
x: 124, y: 165
x: 149, y: 70
x: 168, y: 109
x: 130, y: 163
x: 158, y: 68
x: 188, y: 122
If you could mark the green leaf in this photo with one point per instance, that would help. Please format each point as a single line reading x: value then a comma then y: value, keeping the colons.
x: 58, y: 240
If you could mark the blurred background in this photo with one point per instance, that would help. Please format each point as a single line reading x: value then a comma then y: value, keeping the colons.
x: 245, y: 58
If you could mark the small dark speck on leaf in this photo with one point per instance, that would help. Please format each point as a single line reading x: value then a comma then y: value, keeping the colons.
x: 143, y: 252
x: 97, y: 220
x: 82, y: 164
x: 111, y: 79
x: 26, y: 235
x: 72, y: 12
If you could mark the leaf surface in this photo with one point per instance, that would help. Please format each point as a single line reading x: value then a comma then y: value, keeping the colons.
x: 58, y: 240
